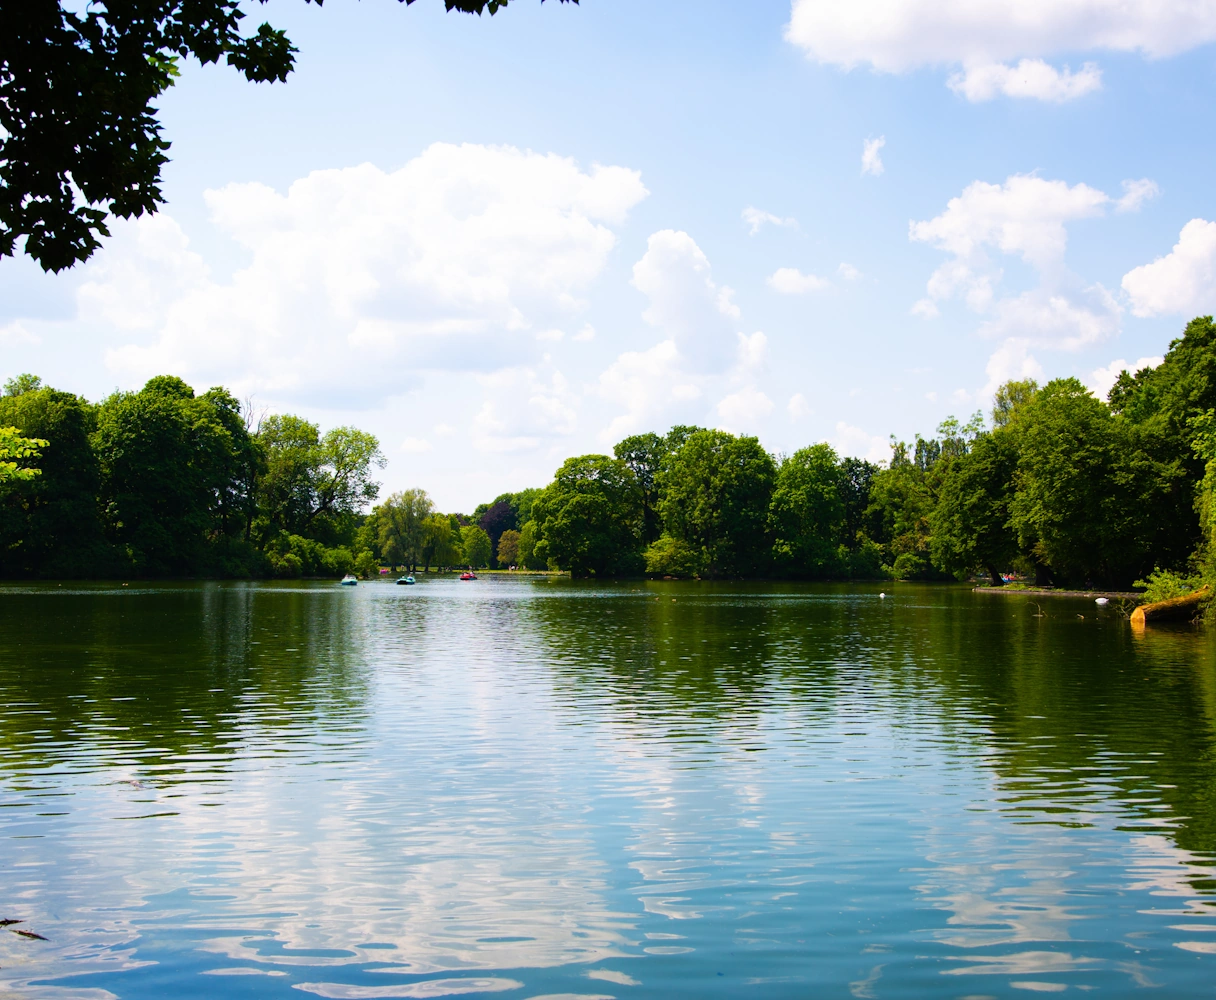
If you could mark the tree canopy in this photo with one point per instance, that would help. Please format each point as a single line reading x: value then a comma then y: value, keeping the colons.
x: 717, y: 489
x: 80, y: 139
x: 589, y: 518
x: 1063, y: 486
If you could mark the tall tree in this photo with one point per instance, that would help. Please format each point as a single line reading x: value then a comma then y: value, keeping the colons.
x: 401, y: 527
x: 440, y: 542
x: 902, y: 497
x: 644, y: 454
x: 1081, y: 484
x: 971, y: 520
x: 508, y: 548
x: 528, y: 537
x: 49, y: 524
x: 806, y: 515
x: 857, y: 476
x: 522, y: 502
x: 500, y: 516
x: 475, y: 546
x: 589, y: 518
x: 161, y: 477
x: 1010, y: 398
x: 312, y: 480
x: 344, y: 484
x: 716, y: 492
x: 286, y: 489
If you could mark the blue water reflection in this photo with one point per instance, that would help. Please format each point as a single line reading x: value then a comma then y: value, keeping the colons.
x: 536, y: 788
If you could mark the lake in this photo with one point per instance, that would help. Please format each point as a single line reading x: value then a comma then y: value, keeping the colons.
x: 519, y: 788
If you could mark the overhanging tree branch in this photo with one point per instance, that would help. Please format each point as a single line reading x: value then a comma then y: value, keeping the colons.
x: 80, y: 140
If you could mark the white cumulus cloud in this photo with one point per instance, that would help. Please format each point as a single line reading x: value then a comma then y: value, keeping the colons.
x: 1012, y: 360
x: 15, y: 333
x: 798, y: 407
x: 445, y: 263
x: 849, y: 440
x: 1102, y: 379
x: 871, y: 161
x: 791, y: 281
x: 1026, y: 217
x: 701, y: 350
x: 1136, y: 193
x: 644, y: 384
x: 758, y: 219
x: 753, y: 350
x: 742, y: 411
x: 895, y: 36
x: 1063, y: 319
x: 1183, y: 281
x: 1029, y: 78
x: 684, y: 301
x: 522, y: 409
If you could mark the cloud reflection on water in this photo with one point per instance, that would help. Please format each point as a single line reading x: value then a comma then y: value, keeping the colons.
x: 530, y: 779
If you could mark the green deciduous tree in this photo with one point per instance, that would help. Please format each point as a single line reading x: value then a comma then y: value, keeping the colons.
x: 857, y: 476
x: 590, y: 518
x: 16, y: 455
x: 806, y: 516
x: 508, y: 548
x: 901, y: 500
x: 645, y: 454
x: 167, y: 472
x: 971, y: 520
x: 440, y: 542
x: 401, y: 527
x: 475, y: 546
x: 716, y: 491
x: 49, y: 524
x: 1079, y: 489
x: 1010, y: 398
x: 523, y: 501
x: 312, y: 481
x: 346, y: 460
x: 286, y: 488
x: 528, y: 537
x: 668, y: 556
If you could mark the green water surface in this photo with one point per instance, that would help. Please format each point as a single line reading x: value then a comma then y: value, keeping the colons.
x: 536, y: 788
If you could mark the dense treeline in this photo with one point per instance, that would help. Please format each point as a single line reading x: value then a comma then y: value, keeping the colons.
x: 1062, y: 487
x: 162, y: 482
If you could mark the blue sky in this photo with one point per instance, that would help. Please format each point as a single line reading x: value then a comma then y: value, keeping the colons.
x: 498, y: 242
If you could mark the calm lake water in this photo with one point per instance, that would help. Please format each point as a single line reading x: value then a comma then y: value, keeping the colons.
x: 519, y: 789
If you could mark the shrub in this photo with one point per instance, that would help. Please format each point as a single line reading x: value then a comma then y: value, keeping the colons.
x: 367, y: 565
x: 1162, y: 584
x: 669, y: 556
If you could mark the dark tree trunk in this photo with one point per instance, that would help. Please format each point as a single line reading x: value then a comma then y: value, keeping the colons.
x: 996, y: 577
x: 1042, y: 576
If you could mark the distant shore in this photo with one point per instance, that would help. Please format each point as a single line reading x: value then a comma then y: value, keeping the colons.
x: 1049, y: 592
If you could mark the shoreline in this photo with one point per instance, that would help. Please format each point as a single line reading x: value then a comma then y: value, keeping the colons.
x: 1046, y: 592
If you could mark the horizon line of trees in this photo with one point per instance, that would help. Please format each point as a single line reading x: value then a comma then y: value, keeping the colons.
x: 1062, y: 487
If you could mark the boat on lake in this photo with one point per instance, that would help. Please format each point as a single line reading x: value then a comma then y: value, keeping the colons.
x: 468, y: 576
x: 406, y: 581
x: 349, y: 580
